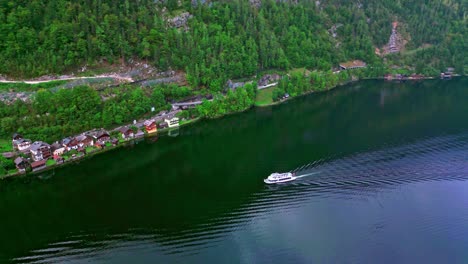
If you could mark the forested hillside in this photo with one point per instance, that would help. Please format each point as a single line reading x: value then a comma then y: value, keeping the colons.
x: 207, y: 43
x: 227, y: 39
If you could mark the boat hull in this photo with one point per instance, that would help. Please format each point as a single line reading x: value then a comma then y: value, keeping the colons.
x: 267, y: 181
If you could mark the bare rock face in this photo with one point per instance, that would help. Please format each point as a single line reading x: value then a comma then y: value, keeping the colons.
x: 180, y: 20
x: 395, y: 42
x: 234, y: 85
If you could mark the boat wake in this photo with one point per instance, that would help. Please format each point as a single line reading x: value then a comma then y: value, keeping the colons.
x: 307, y: 174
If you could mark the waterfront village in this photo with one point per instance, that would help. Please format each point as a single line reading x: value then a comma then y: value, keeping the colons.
x: 35, y: 156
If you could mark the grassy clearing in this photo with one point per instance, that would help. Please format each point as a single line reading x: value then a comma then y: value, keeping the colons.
x: 264, y: 96
x: 90, y: 149
x: 413, y: 51
x: 299, y: 70
x: 5, y: 145
x: 50, y: 162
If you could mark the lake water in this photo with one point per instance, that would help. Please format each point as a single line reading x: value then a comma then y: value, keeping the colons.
x: 384, y: 179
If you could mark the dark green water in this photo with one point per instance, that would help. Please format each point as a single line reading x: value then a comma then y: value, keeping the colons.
x: 385, y: 180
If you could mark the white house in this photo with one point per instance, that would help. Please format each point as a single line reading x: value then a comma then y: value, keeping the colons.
x: 59, y: 151
x: 23, y: 144
x: 173, y: 122
x: 40, y: 150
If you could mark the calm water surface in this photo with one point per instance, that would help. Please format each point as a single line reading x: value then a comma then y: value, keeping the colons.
x: 384, y: 179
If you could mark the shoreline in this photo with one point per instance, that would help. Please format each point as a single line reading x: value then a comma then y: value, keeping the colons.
x: 165, y: 131
x: 341, y: 84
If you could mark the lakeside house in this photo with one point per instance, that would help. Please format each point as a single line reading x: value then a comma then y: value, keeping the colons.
x: 38, y: 165
x: 127, y: 132
x: 84, y: 141
x: 355, y: 64
x: 21, y: 164
x: 100, y: 136
x: 40, y: 151
x: 162, y: 125
x: 139, y: 134
x: 57, y: 149
x: 20, y: 143
x: 70, y: 143
x: 150, y: 126
x: 173, y: 122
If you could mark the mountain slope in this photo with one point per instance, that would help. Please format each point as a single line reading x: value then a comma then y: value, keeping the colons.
x: 216, y: 40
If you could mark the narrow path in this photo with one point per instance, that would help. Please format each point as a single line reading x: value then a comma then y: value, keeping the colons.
x: 266, y: 86
x: 115, y: 76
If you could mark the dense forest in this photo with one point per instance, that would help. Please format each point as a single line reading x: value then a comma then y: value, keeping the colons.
x: 226, y: 39
x: 211, y: 42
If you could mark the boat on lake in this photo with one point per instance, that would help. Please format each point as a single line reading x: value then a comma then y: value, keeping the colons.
x: 280, y: 178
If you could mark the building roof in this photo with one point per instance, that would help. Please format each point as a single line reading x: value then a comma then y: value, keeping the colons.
x: 55, y: 146
x: 102, y: 133
x: 125, y: 129
x: 37, y: 145
x: 19, y: 160
x: 354, y: 63
x: 15, y: 135
x: 67, y: 140
x: 22, y: 140
x: 82, y: 138
x: 38, y: 163
x: 149, y: 122
x: 171, y: 119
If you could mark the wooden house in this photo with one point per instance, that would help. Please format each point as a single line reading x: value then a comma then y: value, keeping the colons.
x: 57, y: 149
x: 21, y: 164
x: 85, y: 141
x: 70, y: 143
x: 150, y: 126
x: 102, y: 137
x: 38, y: 165
x: 127, y: 132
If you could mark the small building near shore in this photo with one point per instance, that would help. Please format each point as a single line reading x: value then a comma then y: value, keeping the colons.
x: 85, y: 141
x: 139, y: 134
x: 38, y: 165
x: 115, y: 142
x: 162, y: 125
x: 173, y: 122
x: 70, y: 143
x: 150, y: 126
x: 21, y: 164
x: 127, y: 132
x: 57, y: 149
x: 355, y: 64
x: 100, y: 136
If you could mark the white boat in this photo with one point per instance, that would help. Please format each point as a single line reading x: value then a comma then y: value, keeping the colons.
x: 280, y: 177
